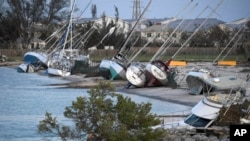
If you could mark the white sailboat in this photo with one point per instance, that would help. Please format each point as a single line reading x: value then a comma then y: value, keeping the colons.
x: 61, y: 61
x: 25, y: 68
x: 120, y: 62
x: 156, y: 72
x: 135, y: 75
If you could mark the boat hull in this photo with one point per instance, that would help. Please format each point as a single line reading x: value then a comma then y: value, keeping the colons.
x: 117, y: 71
x: 104, y: 68
x: 25, y: 68
x: 36, y: 59
x: 155, y: 75
x: 135, y: 75
x: 58, y: 72
x: 196, y: 84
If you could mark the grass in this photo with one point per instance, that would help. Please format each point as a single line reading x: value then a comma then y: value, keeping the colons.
x: 191, y: 58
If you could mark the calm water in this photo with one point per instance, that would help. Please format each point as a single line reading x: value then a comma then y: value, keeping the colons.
x: 24, y: 99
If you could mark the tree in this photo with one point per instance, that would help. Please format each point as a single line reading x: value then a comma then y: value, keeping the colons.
x: 105, y: 115
x: 20, y: 17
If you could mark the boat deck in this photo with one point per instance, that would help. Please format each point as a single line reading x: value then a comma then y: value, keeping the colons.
x: 225, y: 82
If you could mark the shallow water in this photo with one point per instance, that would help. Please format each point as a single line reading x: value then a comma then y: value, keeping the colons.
x: 25, y: 97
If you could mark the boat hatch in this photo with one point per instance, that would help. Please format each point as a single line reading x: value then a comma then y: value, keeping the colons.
x: 196, y: 121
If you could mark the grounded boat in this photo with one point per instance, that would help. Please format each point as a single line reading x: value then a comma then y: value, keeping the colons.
x: 104, y: 68
x: 158, y: 73
x: 208, y: 110
x: 118, y: 67
x: 202, y: 81
x: 36, y: 58
x: 61, y: 63
x: 119, y: 63
x: 195, y: 81
x: 25, y: 68
x: 135, y: 75
x: 64, y: 59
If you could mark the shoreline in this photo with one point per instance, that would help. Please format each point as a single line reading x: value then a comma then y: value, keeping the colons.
x: 180, y: 95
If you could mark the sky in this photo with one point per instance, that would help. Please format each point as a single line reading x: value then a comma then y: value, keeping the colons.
x: 228, y: 11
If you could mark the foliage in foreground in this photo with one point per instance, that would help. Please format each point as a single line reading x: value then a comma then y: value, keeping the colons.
x: 104, y: 115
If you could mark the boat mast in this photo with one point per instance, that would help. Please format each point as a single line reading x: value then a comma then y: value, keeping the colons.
x: 161, y: 50
x: 235, y: 35
x: 69, y: 26
x: 133, y: 29
x: 197, y: 29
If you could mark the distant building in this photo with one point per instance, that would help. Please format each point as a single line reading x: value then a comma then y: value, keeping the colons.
x: 163, y: 30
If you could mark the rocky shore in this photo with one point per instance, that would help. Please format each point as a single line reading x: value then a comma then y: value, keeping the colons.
x: 215, y: 133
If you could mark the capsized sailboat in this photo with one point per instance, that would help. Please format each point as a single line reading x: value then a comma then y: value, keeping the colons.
x: 119, y: 63
x: 156, y: 72
x: 36, y: 58
x: 208, y: 110
x: 61, y: 60
x: 25, y: 68
x: 198, y: 78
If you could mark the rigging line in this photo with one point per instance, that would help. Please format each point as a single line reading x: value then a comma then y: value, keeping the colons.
x: 185, y: 29
x: 133, y: 45
x: 197, y: 29
x: 236, y: 34
x: 138, y: 52
x: 89, y: 31
x: 70, y: 24
x: 86, y: 39
x: 133, y: 29
x: 174, y: 19
x: 234, y: 45
x: 177, y: 15
x: 181, y: 31
x: 48, y: 39
x: 84, y: 9
x: 54, y: 44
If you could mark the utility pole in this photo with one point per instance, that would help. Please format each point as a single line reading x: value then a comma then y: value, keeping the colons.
x: 136, y: 9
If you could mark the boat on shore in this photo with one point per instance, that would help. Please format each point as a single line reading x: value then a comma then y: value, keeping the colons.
x: 25, y: 68
x: 36, y: 58
x: 208, y: 111
x: 135, y: 75
x: 119, y: 63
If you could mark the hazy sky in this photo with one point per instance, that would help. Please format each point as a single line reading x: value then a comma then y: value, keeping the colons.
x: 229, y: 10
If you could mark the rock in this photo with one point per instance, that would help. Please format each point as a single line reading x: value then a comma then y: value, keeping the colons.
x: 177, y: 138
x: 189, y: 139
x: 213, y: 138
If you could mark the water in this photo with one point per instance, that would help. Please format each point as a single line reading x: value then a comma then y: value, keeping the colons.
x: 25, y: 97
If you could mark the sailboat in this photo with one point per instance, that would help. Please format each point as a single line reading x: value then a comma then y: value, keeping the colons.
x: 61, y: 61
x: 25, y: 68
x: 36, y: 58
x: 155, y: 73
x: 209, y: 109
x: 119, y: 62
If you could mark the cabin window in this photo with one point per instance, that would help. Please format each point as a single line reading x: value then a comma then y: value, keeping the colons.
x: 196, y: 121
